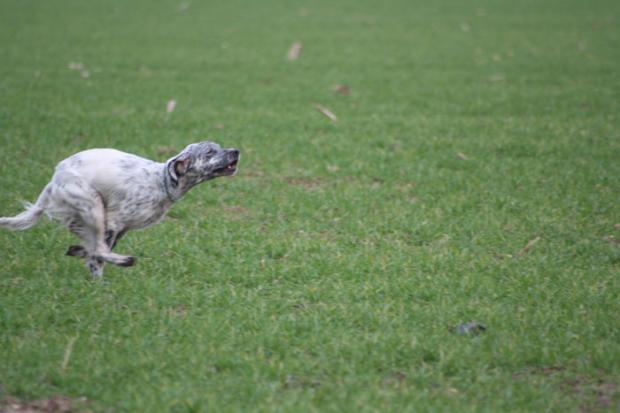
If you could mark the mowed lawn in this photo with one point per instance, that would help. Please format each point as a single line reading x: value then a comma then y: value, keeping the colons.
x: 472, y: 175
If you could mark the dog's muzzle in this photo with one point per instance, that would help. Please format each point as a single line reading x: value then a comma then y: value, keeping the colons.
x: 230, y: 167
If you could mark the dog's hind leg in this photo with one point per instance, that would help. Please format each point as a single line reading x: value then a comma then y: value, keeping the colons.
x: 111, y: 238
x: 77, y: 251
x: 99, y: 248
x: 93, y: 263
x: 88, y: 222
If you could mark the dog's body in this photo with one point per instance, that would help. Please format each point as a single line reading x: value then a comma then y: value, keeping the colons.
x: 100, y: 194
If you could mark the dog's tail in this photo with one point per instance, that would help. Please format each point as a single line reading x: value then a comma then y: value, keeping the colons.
x: 30, y: 216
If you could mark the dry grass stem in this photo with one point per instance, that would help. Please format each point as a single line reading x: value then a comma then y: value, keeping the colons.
x: 528, y: 246
x: 327, y: 113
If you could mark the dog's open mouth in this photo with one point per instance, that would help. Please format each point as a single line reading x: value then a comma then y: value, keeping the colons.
x: 229, y: 169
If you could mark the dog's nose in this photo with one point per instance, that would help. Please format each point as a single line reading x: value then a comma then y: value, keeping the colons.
x: 234, y: 152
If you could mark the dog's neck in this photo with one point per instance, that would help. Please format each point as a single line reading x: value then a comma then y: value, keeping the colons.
x: 171, y: 187
x: 175, y: 189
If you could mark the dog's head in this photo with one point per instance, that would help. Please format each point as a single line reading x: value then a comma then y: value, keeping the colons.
x: 201, y: 162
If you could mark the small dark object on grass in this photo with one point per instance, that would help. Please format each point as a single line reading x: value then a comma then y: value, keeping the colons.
x: 471, y: 328
x: 343, y: 90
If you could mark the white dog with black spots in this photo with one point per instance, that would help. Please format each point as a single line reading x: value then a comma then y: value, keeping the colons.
x: 100, y: 194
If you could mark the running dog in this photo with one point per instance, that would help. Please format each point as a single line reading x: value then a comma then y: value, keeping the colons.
x: 100, y: 194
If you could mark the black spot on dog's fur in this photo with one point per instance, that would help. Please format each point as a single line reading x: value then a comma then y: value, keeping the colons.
x: 75, y: 251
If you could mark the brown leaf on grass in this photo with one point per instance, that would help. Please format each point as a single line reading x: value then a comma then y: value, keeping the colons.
x: 528, y: 246
x: 327, y: 113
x: 171, y: 105
x: 610, y: 239
x: 294, y: 51
x: 179, y: 311
x: 342, y: 90
x: 219, y: 126
x: 462, y: 156
x: 617, y: 226
x: 166, y: 150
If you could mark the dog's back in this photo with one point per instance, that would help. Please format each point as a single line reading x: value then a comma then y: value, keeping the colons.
x: 103, y: 168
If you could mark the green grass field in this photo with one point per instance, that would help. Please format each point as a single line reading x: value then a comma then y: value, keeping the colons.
x: 327, y: 274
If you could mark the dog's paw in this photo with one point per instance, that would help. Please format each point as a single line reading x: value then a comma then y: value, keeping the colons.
x: 76, y: 251
x: 128, y: 262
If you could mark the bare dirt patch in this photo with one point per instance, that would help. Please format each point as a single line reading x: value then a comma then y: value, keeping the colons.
x: 591, y: 394
x: 54, y: 404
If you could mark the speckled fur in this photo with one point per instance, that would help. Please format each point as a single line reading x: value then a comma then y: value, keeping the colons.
x: 100, y: 194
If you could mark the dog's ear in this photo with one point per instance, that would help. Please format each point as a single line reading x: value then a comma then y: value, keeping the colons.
x: 178, y: 167
x: 181, y: 166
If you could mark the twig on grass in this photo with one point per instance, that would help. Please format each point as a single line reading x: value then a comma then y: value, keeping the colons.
x: 68, y: 352
x: 528, y: 246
